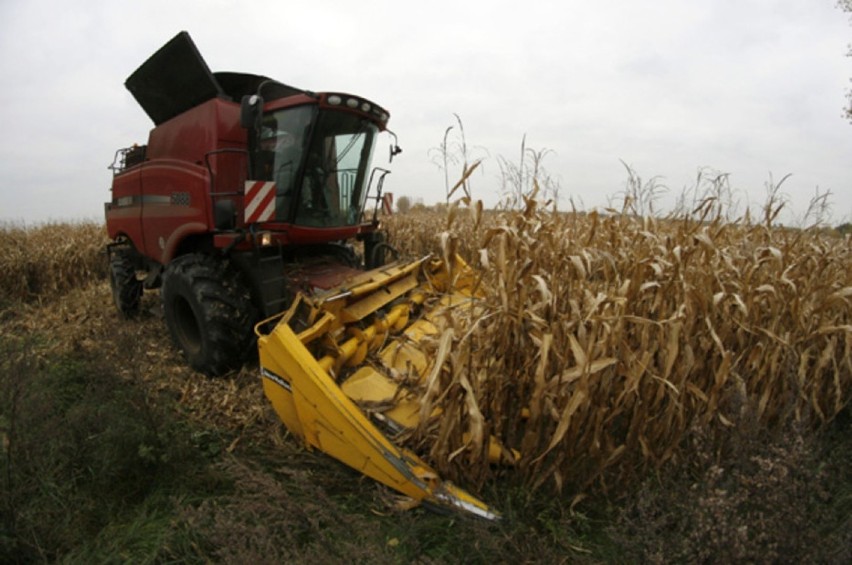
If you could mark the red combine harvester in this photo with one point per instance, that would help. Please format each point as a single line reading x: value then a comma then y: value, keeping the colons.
x: 248, y: 192
x: 242, y: 209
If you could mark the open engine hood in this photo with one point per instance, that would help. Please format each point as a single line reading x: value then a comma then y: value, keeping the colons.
x: 176, y: 78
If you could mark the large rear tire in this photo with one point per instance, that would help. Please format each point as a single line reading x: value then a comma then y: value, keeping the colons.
x: 126, y: 288
x: 209, y: 313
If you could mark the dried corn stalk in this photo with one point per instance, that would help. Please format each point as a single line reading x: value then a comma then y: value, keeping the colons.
x: 604, y: 339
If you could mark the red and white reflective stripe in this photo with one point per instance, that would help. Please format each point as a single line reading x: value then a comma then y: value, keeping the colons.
x: 259, y: 201
x: 387, y: 203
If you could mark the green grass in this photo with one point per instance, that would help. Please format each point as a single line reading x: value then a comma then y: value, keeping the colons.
x: 83, y: 453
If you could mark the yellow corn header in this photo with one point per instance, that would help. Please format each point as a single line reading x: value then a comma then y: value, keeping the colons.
x: 343, y: 371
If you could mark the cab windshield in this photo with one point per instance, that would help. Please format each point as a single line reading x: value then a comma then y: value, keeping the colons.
x: 320, y: 175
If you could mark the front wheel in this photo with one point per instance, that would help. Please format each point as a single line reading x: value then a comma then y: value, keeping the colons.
x: 126, y: 288
x: 209, y: 313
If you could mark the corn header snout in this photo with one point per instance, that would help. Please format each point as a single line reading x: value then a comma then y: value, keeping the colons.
x: 342, y: 370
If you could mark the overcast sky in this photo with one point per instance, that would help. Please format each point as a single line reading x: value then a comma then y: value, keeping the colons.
x: 752, y: 88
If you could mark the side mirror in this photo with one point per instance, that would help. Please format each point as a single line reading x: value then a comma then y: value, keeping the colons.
x: 251, y: 107
x: 395, y: 149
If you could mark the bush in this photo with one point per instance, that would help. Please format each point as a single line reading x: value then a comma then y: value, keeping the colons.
x: 403, y: 204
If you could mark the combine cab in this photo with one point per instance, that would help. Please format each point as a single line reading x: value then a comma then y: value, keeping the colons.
x: 247, y: 209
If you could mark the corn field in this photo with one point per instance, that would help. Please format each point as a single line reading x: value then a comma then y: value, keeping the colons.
x: 41, y: 262
x: 604, y: 340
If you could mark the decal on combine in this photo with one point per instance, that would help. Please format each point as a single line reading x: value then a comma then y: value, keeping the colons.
x: 264, y: 372
x: 259, y: 201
